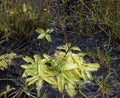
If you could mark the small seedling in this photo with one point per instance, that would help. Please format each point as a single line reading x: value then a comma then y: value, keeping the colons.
x: 44, y: 33
x: 103, y: 85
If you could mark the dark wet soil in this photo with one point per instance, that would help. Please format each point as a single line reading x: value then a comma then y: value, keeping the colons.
x: 30, y: 45
x: 33, y: 46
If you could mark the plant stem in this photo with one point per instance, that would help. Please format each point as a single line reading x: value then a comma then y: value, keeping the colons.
x: 82, y: 93
x: 65, y: 35
x: 38, y: 92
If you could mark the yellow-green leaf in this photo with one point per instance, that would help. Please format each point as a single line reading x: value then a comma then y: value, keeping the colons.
x: 61, y: 82
x: 48, y: 37
x: 50, y: 80
x: 28, y: 59
x: 39, y: 83
x: 89, y: 75
x: 32, y: 80
x: 49, y: 30
x: 70, y: 89
x: 91, y: 66
x: 76, y: 73
x: 41, y: 36
x: 69, y: 66
x: 40, y: 30
x: 6, y: 60
x: 69, y: 77
x: 46, y: 56
x: 75, y: 48
x: 37, y: 58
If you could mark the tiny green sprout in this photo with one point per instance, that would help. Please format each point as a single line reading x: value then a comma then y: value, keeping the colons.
x: 44, y: 33
x: 6, y: 91
x: 103, y: 84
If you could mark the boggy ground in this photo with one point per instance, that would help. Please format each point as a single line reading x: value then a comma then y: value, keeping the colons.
x: 31, y: 46
x: 97, y: 40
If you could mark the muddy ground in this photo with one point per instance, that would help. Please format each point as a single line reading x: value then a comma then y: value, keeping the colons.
x: 28, y: 46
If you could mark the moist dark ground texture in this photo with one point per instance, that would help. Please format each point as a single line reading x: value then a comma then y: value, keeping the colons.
x: 33, y: 46
x: 28, y: 46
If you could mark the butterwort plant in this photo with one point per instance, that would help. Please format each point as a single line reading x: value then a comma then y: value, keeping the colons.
x: 63, y: 70
x: 44, y: 33
x: 6, y: 60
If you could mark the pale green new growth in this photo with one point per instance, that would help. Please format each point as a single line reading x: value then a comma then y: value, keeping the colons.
x: 62, y: 71
x: 44, y: 34
x: 5, y: 60
x: 38, y: 71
